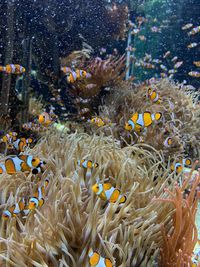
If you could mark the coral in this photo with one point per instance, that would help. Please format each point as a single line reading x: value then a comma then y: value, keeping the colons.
x: 180, y: 241
x: 181, y: 117
x: 73, y: 218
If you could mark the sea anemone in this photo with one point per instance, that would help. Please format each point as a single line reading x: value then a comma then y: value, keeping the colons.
x: 73, y: 219
x: 180, y: 120
x: 180, y: 240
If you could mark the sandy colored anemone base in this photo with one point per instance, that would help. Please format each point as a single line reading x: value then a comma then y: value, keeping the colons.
x: 73, y: 219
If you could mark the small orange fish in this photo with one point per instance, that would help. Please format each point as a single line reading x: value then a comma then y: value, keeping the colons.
x: 196, y: 63
x: 195, y: 74
x: 194, y: 31
x: 139, y: 121
x: 37, y: 200
x: 96, y: 260
x: 178, y: 166
x: 13, y: 68
x: 14, y: 164
x: 187, y: 26
x: 153, y: 96
x: 192, y: 45
x: 168, y: 142
x: 14, y: 210
x: 46, y: 119
x: 77, y: 76
x: 107, y: 192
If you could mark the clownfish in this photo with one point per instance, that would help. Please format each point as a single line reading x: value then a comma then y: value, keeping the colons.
x: 107, y: 192
x: 153, y: 96
x: 192, y: 45
x: 194, y: 31
x: 45, y: 119
x: 196, y: 63
x: 87, y: 164
x: 66, y: 69
x: 13, y: 68
x: 139, y: 121
x: 96, y: 260
x: 195, y: 74
x: 178, y: 166
x: 21, y: 143
x: 187, y: 26
x: 77, y: 76
x: 37, y: 200
x: 14, y: 164
x: 10, y: 137
x: 168, y: 142
x: 14, y: 210
x: 99, y: 121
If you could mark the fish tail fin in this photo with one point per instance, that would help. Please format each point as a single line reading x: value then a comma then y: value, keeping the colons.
x: 122, y: 199
x: 158, y: 116
x: 2, y: 68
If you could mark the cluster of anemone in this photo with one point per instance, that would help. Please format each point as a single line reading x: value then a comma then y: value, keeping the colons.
x: 86, y: 94
x: 180, y: 117
x: 73, y: 219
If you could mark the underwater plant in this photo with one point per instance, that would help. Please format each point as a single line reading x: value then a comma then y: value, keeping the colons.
x: 64, y: 228
x: 180, y: 240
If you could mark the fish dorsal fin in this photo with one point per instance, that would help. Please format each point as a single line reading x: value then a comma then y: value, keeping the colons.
x: 134, y: 118
x: 12, y: 208
x: 23, y: 157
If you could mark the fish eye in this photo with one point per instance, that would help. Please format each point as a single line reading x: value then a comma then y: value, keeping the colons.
x: 33, y: 160
x: 97, y: 187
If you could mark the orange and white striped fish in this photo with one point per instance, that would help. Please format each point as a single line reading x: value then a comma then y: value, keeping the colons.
x: 96, y: 260
x: 66, y: 69
x: 87, y: 164
x: 77, y: 75
x: 168, y: 142
x: 194, y: 31
x: 9, y: 137
x: 37, y: 200
x: 21, y: 143
x: 195, y: 74
x: 139, y: 121
x: 178, y: 166
x: 196, y: 63
x: 100, y: 121
x: 14, y: 164
x: 15, y: 210
x: 45, y: 119
x: 192, y: 45
x: 107, y: 192
x: 153, y: 96
x: 13, y: 68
